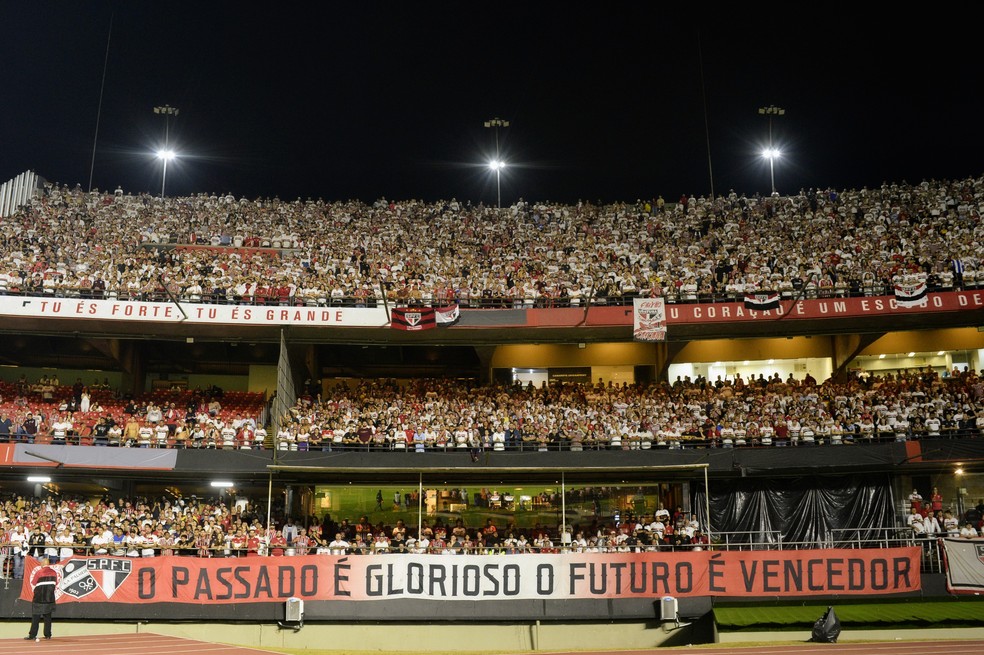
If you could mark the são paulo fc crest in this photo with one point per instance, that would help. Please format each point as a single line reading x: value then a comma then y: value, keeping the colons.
x: 80, y: 577
x: 980, y: 552
x: 413, y: 318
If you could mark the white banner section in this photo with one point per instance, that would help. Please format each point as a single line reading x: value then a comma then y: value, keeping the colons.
x: 648, y: 319
x: 964, y: 565
x: 197, y: 313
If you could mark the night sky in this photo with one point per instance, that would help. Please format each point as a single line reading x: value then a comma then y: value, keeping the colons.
x: 385, y: 99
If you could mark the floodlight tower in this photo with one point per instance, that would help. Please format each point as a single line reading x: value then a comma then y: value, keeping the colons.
x: 771, y: 153
x: 166, y: 154
x: 497, y: 164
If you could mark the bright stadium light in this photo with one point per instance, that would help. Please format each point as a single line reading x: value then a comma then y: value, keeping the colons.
x: 771, y: 153
x: 166, y: 154
x: 224, y: 484
x: 38, y: 478
x: 497, y: 164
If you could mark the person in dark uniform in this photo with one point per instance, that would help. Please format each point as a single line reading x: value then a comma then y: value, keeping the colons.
x: 43, y: 582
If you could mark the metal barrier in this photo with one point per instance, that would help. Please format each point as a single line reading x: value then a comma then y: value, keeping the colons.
x: 892, y: 537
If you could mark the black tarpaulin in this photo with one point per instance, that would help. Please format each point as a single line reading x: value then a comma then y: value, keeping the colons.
x: 812, y: 510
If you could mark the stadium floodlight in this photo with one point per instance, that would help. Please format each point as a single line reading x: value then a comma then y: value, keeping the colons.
x: 38, y: 478
x: 497, y: 164
x: 222, y: 484
x: 771, y: 153
x: 166, y: 154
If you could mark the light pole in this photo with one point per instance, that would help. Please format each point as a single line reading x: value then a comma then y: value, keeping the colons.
x: 771, y: 153
x: 166, y: 154
x: 958, y: 475
x: 497, y: 164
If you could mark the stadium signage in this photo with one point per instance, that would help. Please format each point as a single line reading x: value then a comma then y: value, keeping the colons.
x: 195, y: 313
x: 674, y: 314
x: 487, y: 577
x: 826, y: 308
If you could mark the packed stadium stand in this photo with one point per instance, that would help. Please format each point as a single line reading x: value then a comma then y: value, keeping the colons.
x: 356, y: 378
x: 213, y: 248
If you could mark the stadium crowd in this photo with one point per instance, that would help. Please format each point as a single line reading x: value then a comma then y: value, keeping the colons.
x: 438, y: 415
x: 428, y: 415
x: 46, y: 411
x: 214, y: 248
x: 63, y: 527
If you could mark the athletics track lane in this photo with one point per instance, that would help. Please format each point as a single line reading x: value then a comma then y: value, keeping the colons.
x: 122, y: 644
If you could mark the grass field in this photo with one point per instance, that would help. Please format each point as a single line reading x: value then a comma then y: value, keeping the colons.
x: 878, y: 614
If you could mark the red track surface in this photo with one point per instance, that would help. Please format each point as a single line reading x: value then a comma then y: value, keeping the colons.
x: 128, y: 644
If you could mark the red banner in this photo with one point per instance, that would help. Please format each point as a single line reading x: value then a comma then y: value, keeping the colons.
x: 736, y: 312
x: 485, y: 577
x: 826, y: 308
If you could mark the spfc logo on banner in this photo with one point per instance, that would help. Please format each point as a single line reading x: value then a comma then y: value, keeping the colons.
x: 413, y: 318
x: 80, y: 577
x: 980, y: 552
x: 650, y: 320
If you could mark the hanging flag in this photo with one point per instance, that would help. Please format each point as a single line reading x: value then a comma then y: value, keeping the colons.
x: 911, y: 294
x: 964, y: 561
x: 447, y: 316
x: 412, y: 318
x: 762, y: 301
x: 648, y: 319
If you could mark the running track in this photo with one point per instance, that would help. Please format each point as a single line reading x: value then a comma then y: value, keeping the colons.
x: 126, y: 644
x: 140, y: 644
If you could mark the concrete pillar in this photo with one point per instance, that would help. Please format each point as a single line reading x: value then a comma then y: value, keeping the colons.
x: 845, y: 347
x: 485, y: 354
x: 666, y: 352
x: 133, y: 363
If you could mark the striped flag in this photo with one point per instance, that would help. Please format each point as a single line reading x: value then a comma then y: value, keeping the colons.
x: 447, y: 316
x: 412, y: 319
x: 762, y: 301
x: 911, y: 295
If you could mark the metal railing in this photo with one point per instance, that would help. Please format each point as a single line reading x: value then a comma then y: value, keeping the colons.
x: 12, y: 565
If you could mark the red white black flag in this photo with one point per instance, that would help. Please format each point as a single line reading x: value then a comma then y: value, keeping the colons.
x: 762, y: 301
x: 412, y: 318
x: 447, y: 316
x: 649, y: 319
x: 911, y: 295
